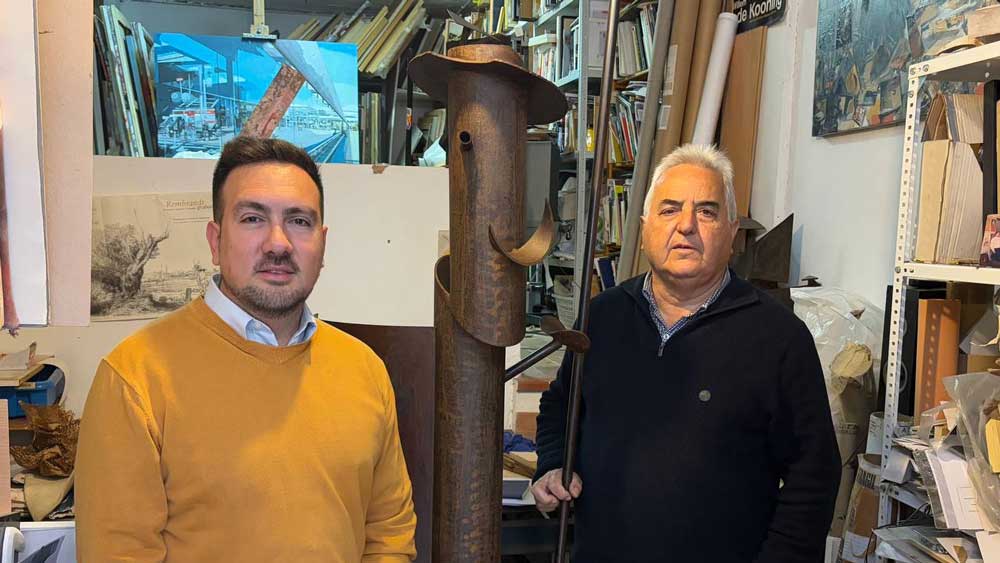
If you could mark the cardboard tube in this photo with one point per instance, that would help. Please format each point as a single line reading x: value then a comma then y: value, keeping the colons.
x: 715, y: 81
x: 674, y: 96
x: 707, y: 17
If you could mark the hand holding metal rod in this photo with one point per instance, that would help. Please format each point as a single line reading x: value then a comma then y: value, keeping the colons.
x: 583, y: 307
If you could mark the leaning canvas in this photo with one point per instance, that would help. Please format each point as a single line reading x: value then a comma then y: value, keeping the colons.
x: 210, y: 89
x: 863, y: 51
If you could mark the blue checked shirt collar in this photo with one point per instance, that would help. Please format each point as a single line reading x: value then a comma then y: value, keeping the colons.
x: 666, y: 330
x: 248, y: 327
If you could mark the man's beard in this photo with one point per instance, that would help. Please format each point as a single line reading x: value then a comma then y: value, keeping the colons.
x: 270, y: 301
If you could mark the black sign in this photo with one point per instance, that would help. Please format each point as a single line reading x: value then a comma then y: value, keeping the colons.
x: 755, y: 13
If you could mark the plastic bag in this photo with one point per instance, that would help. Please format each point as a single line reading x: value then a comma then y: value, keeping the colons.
x: 974, y: 393
x: 836, y: 318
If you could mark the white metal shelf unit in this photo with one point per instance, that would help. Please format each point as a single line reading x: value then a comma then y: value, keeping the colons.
x: 580, y: 79
x: 980, y: 64
x: 581, y: 273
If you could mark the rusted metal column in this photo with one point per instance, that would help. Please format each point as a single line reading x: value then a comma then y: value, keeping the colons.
x: 480, y: 287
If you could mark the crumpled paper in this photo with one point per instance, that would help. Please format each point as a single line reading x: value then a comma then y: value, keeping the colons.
x: 52, y: 453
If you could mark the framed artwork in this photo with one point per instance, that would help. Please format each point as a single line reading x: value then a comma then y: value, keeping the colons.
x: 863, y: 51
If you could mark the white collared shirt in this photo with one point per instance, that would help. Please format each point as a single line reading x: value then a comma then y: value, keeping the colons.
x: 248, y: 327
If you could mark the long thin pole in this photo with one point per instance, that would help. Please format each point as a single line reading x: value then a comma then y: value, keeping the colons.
x: 647, y: 137
x: 583, y: 307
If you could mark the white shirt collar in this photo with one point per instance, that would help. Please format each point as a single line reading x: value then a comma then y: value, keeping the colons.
x: 246, y: 325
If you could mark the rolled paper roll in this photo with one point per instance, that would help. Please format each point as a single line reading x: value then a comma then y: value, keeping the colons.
x: 715, y: 81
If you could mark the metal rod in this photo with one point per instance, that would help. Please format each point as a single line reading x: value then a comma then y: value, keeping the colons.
x: 532, y: 359
x: 583, y: 306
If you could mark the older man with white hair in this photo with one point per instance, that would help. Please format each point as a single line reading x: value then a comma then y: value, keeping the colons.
x: 705, y: 428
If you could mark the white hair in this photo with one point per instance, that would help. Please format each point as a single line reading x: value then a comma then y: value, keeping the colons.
x: 705, y: 156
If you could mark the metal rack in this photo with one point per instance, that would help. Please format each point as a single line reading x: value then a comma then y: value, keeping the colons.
x: 584, y: 79
x: 981, y: 64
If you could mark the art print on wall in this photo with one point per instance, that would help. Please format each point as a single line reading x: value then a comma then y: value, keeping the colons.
x: 149, y: 254
x: 863, y: 51
x: 210, y: 89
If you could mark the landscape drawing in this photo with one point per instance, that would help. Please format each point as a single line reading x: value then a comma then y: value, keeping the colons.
x: 150, y: 255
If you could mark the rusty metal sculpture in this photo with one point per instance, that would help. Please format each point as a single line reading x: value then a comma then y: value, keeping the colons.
x: 480, y: 288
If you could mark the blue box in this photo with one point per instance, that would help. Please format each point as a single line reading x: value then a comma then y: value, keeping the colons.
x: 44, y: 388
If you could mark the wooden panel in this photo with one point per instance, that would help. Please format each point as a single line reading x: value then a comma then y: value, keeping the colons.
x: 741, y: 110
x: 532, y: 384
x: 526, y: 424
x: 66, y: 65
x: 408, y: 353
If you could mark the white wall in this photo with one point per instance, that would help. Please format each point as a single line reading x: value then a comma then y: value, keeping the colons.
x: 202, y: 20
x: 844, y: 191
x: 379, y: 260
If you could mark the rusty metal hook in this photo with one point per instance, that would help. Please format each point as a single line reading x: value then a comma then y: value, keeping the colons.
x: 538, y: 245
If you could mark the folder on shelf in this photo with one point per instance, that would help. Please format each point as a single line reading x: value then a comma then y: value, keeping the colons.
x: 949, y: 219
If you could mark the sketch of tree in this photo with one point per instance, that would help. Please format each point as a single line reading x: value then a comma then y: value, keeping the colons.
x: 120, y: 258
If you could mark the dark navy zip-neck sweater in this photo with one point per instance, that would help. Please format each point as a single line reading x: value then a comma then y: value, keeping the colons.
x: 681, y: 454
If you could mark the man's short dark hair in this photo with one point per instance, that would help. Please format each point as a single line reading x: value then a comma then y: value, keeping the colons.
x: 243, y: 150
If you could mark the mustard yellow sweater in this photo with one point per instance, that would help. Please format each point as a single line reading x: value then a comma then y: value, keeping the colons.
x: 200, y: 446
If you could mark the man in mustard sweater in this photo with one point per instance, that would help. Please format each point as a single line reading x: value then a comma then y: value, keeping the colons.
x: 238, y: 429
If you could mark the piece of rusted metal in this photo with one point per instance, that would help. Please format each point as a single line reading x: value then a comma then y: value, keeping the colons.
x: 479, y: 301
x: 468, y: 437
x: 272, y: 107
x: 537, y: 246
x: 429, y: 72
x: 577, y: 341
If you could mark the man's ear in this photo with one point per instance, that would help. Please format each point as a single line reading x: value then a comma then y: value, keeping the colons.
x: 213, y: 233
x: 326, y: 231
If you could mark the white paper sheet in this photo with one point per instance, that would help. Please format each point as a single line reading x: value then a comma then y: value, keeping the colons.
x: 22, y: 160
x: 958, y: 498
x: 989, y: 546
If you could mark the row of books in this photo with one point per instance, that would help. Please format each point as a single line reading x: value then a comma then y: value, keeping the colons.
x: 635, y: 40
x: 544, y: 56
x: 626, y: 118
x: 566, y: 128
x: 614, y: 210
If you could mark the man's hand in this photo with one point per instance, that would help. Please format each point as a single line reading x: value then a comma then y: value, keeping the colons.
x: 548, y: 490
